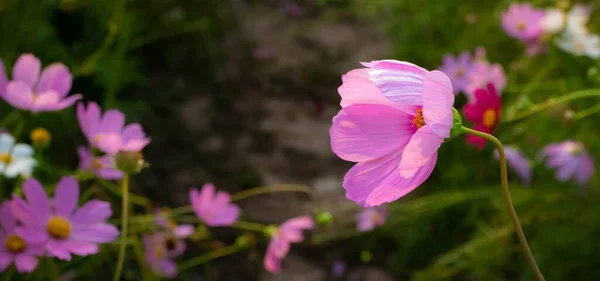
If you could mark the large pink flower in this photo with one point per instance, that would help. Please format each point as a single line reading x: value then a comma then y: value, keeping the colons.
x: 394, y: 117
x: 34, y: 91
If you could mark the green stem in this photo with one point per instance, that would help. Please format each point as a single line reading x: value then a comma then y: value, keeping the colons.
x: 125, y: 211
x: 270, y: 189
x: 508, y: 200
x: 208, y: 256
x: 252, y: 226
x: 189, y: 27
x: 587, y: 112
x: 10, y: 118
x: 553, y: 102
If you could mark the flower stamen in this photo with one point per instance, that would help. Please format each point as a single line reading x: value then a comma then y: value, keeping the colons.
x: 6, y: 158
x: 15, y: 244
x: 418, y: 120
x: 59, y: 227
x: 489, y: 118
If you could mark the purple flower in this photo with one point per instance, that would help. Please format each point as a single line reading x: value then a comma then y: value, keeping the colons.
x: 64, y: 228
x: 523, y: 22
x: 338, y: 269
x: 570, y: 159
x: 289, y: 232
x: 108, y: 132
x: 483, y: 73
x: 13, y: 247
x: 156, y: 247
x: 103, y: 166
x: 215, y: 209
x: 370, y: 218
x: 34, y: 92
x: 457, y: 69
x: 517, y: 162
x: 173, y: 233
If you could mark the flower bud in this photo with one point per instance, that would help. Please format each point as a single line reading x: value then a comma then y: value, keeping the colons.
x: 456, y: 125
x: 40, y: 137
x: 130, y: 162
x: 245, y: 241
x: 270, y: 230
x: 366, y: 256
x: 324, y: 218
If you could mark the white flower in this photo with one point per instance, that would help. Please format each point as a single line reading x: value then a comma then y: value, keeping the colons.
x: 578, y: 17
x: 580, y: 44
x: 553, y: 21
x: 15, y: 159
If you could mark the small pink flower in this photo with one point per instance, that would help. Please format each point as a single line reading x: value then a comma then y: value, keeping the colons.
x: 58, y: 223
x: 394, y: 117
x: 458, y: 70
x: 215, y: 209
x: 13, y: 248
x: 289, y: 232
x: 156, y: 250
x: 108, y: 132
x: 34, y: 92
x: 102, y: 166
x: 570, y: 159
x: 370, y: 218
x: 483, y: 73
x: 484, y: 111
x: 523, y: 22
x: 174, y: 234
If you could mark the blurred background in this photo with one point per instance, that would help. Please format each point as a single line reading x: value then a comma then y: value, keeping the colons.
x: 241, y: 94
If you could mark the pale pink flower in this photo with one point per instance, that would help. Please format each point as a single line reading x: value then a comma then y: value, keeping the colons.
x: 214, y: 208
x: 289, y: 232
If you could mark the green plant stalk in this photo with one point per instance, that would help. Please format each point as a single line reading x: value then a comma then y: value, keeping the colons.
x: 208, y: 257
x: 251, y: 226
x: 124, y: 222
x: 508, y: 200
x: 553, y: 102
x: 270, y: 189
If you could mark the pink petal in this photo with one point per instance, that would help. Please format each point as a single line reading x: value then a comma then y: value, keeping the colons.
x: 19, y: 95
x: 183, y: 231
x: 3, y: 79
x: 109, y: 174
x: 272, y: 263
x: 133, y: 131
x: 7, y: 219
x: 95, y: 233
x: 66, y: 196
x: 438, y: 99
x: 23, y: 212
x: 56, y: 249
x: 376, y: 182
x: 80, y: 248
x: 46, y: 101
x: 33, y: 235
x: 473, y: 112
x: 94, y: 211
x: 303, y: 222
x: 25, y: 263
x: 112, y: 122
x: 167, y: 267
x: 55, y: 77
x: 67, y: 102
x: 225, y: 217
x: 110, y: 143
x: 5, y: 260
x: 85, y: 157
x: 89, y: 119
x: 27, y: 69
x: 135, y: 144
x: 363, y: 132
x: 37, y: 199
x: 399, y: 81
x: 422, y: 146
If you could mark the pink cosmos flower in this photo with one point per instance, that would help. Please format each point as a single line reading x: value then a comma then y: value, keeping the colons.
x: 156, y: 247
x: 483, y: 73
x: 34, y: 92
x: 103, y: 166
x: 58, y: 223
x: 289, y: 232
x: 173, y: 233
x: 457, y: 69
x: 570, y: 159
x: 517, y: 162
x: 394, y: 117
x: 484, y: 111
x: 13, y: 247
x: 108, y: 132
x: 215, y: 209
x: 523, y: 22
x: 370, y: 218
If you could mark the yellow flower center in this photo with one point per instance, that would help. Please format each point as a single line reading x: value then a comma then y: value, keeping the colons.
x: 6, y: 158
x: 460, y: 72
x: 40, y: 135
x: 521, y: 26
x: 418, y: 119
x: 96, y: 164
x: 97, y: 138
x: 15, y: 244
x: 489, y: 118
x: 59, y: 227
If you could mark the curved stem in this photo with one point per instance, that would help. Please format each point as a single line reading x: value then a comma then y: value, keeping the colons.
x: 208, y: 256
x: 249, y: 226
x: 269, y: 189
x: 552, y: 102
x: 587, y: 112
x: 124, y: 218
x: 508, y: 200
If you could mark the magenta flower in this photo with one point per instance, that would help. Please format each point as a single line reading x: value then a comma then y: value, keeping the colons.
x: 484, y: 111
x: 523, y: 22
x: 102, y: 166
x: 34, y: 92
x: 484, y: 73
x: 394, y: 117
x: 58, y: 223
x: 173, y: 233
x: 215, y: 209
x: 108, y: 132
x: 157, y: 255
x: 370, y: 218
x: 457, y: 69
x: 570, y: 159
x: 289, y: 232
x: 517, y: 162
x: 13, y: 247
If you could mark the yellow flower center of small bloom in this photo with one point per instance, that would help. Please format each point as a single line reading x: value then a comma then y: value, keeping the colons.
x: 59, y: 227
x: 489, y: 118
x: 521, y: 26
x: 460, y: 72
x: 418, y: 120
x: 40, y: 135
x: 15, y: 244
x: 97, y: 138
x: 6, y: 158
x: 96, y: 164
